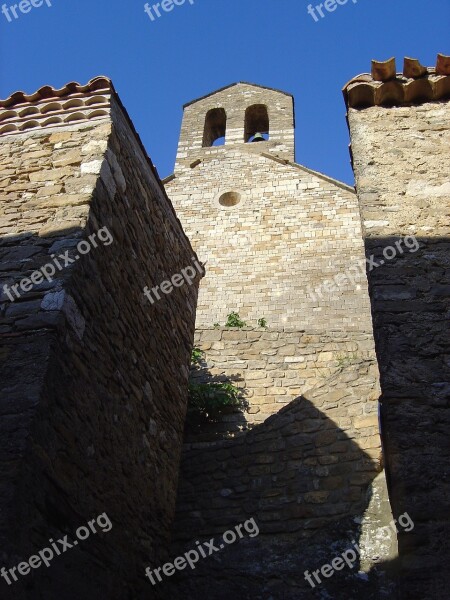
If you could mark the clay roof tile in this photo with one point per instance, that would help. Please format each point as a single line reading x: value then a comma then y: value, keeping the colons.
x: 48, y: 91
x: 384, y: 87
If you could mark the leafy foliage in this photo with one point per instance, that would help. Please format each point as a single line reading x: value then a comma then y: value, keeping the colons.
x: 197, y: 356
x: 234, y: 320
x: 212, y: 399
x: 262, y: 323
x: 209, y: 400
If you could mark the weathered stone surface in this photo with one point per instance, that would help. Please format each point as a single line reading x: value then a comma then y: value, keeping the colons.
x: 93, y: 377
x: 292, y: 231
x: 400, y: 157
x: 297, y: 481
x: 250, y: 367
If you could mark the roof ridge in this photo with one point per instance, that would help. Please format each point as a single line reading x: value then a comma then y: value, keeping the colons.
x: 264, y: 87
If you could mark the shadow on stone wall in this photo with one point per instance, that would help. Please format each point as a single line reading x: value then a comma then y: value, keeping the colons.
x: 410, y: 297
x: 93, y: 393
x: 305, y: 481
x: 27, y: 333
x: 226, y: 423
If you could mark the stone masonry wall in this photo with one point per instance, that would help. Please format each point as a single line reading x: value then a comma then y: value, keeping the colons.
x: 300, y: 461
x: 234, y: 100
x: 35, y: 169
x: 301, y: 458
x: 273, y: 367
x: 93, y: 377
x: 292, y: 232
x: 401, y: 156
x: 304, y: 475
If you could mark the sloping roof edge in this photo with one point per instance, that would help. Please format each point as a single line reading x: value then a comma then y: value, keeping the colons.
x: 264, y: 87
x: 281, y: 161
x: 341, y: 184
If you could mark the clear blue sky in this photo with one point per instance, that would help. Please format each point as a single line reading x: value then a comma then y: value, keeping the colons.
x: 159, y: 65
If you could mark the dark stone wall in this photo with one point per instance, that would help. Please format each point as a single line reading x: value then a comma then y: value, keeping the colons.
x: 401, y: 167
x: 109, y: 394
x: 304, y: 475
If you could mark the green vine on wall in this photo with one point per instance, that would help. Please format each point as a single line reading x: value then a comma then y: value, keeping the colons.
x: 210, y: 400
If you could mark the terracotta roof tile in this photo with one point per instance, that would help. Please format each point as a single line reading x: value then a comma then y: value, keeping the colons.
x: 49, y: 106
x: 385, y: 87
x: 47, y: 91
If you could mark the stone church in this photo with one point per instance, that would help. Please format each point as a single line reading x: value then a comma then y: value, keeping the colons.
x: 270, y: 229
x: 341, y: 356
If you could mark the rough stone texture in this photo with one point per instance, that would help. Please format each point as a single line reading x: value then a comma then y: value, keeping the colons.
x: 292, y: 231
x: 273, y: 367
x: 303, y: 475
x: 235, y: 100
x: 93, y: 377
x: 301, y: 463
x: 401, y: 159
x: 378, y: 539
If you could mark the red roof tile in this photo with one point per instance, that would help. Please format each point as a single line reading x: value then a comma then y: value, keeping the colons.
x: 385, y: 87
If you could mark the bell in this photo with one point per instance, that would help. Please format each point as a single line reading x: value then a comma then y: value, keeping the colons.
x: 258, y: 137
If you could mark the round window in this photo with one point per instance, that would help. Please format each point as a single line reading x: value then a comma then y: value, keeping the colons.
x: 229, y: 199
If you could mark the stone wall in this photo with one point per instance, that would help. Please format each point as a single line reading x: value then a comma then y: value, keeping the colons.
x: 93, y: 377
x: 301, y: 458
x: 235, y: 100
x: 401, y: 156
x: 300, y: 462
x: 292, y: 232
x: 273, y: 367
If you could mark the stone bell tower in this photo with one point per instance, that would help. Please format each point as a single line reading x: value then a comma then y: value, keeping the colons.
x: 231, y: 117
x: 271, y: 231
